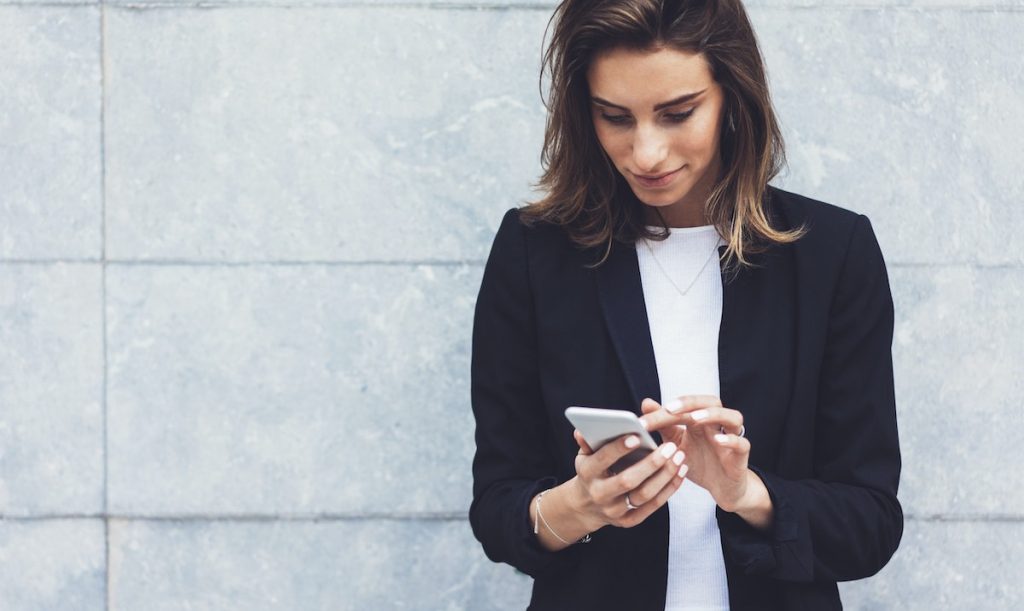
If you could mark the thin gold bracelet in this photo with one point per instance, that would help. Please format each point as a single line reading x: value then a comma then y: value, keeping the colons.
x: 540, y: 518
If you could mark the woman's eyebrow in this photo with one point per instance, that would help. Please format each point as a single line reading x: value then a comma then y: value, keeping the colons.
x: 686, y: 97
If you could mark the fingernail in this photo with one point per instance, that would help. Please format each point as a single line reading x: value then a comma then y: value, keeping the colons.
x: 683, y: 470
x: 699, y: 414
x: 674, y: 405
x: 720, y: 438
x: 632, y: 442
x: 668, y: 450
x: 678, y: 458
x: 643, y: 423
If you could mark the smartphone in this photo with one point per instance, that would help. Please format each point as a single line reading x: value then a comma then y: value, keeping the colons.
x: 599, y: 426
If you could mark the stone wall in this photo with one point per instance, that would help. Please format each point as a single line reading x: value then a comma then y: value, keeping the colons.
x: 240, y: 244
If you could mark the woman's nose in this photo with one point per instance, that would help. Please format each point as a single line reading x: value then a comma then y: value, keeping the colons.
x: 649, y: 150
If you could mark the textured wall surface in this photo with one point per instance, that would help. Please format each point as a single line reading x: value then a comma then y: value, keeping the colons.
x: 240, y: 244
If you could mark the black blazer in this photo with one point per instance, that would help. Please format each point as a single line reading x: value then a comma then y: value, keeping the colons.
x: 804, y: 353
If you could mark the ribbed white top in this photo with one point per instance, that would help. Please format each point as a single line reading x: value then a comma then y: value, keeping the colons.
x: 684, y: 332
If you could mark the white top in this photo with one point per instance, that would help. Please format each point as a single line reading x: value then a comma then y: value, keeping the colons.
x: 684, y: 333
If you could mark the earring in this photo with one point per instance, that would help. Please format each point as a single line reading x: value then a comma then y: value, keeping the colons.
x: 732, y: 124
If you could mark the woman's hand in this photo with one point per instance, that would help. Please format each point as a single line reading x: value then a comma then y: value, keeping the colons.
x: 600, y: 497
x: 717, y: 459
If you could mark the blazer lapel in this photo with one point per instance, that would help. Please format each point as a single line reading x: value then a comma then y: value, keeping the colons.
x: 757, y: 342
x: 751, y: 342
x: 625, y: 313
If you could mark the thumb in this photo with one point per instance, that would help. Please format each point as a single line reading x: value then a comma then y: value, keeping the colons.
x: 649, y: 405
x: 584, y: 447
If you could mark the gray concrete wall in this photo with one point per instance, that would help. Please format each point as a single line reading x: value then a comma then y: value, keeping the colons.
x: 240, y: 244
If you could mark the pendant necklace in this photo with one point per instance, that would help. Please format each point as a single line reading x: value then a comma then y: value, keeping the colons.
x: 673, y: 282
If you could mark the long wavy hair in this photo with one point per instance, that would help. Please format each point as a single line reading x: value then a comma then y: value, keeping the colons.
x: 585, y: 194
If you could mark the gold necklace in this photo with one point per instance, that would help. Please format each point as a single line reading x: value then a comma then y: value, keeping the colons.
x: 673, y: 282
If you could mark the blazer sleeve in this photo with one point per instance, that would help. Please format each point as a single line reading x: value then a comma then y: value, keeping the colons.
x: 512, y: 462
x: 844, y: 523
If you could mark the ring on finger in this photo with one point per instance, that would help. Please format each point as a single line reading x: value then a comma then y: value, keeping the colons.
x: 630, y: 506
x: 743, y: 430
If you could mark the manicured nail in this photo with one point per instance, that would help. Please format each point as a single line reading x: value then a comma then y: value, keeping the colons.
x: 699, y: 414
x: 683, y: 470
x: 720, y: 438
x: 678, y: 458
x: 668, y: 450
x: 674, y: 405
x: 632, y: 441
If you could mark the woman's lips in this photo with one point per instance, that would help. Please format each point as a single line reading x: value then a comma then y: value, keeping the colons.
x: 660, y: 181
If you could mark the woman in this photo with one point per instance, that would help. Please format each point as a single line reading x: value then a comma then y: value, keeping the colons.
x: 767, y: 381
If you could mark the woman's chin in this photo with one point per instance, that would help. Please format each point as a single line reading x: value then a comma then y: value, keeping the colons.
x: 657, y: 199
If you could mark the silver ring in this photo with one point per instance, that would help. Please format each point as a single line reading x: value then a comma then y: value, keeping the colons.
x: 743, y: 430
x: 630, y: 505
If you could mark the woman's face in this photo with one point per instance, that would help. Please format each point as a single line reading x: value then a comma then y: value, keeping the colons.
x: 658, y: 116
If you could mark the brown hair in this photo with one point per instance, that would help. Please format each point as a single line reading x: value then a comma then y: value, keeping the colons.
x: 585, y: 193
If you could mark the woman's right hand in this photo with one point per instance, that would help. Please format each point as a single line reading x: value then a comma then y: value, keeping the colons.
x: 600, y: 496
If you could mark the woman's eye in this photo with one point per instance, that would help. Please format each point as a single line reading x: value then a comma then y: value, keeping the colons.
x: 679, y: 117
x: 672, y: 117
x: 617, y: 119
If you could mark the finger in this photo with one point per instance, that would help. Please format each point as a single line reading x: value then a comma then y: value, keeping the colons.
x: 659, y: 419
x: 676, y: 411
x: 649, y: 405
x: 596, y: 465
x: 580, y: 441
x: 653, y: 484
x: 636, y: 516
x: 636, y: 474
x: 688, y: 403
x: 584, y: 451
x: 714, y: 418
x: 733, y: 443
x: 655, y: 418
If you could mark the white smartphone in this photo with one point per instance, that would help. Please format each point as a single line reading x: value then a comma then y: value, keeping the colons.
x: 599, y: 426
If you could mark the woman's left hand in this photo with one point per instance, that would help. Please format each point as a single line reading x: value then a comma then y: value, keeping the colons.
x: 717, y: 460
